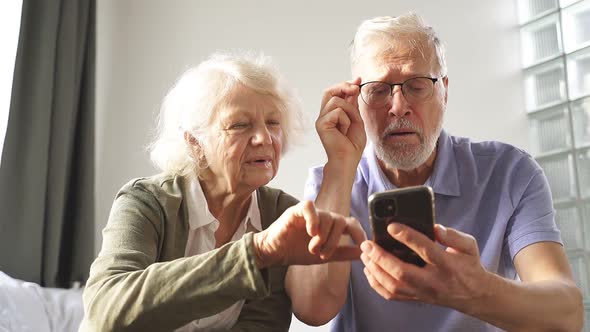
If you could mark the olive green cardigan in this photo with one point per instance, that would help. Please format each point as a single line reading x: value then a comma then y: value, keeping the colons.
x: 141, y: 280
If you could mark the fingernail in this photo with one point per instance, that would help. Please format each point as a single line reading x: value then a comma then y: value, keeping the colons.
x: 442, y: 230
x: 394, y: 228
x: 366, y: 247
x: 364, y: 258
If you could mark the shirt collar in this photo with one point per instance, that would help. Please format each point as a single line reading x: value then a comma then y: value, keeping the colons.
x: 445, y: 176
x: 198, y: 209
x: 444, y: 179
x: 253, y: 217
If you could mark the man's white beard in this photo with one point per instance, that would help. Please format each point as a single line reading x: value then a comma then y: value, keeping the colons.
x: 405, y: 156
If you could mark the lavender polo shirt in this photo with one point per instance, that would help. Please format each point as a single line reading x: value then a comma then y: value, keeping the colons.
x: 491, y: 190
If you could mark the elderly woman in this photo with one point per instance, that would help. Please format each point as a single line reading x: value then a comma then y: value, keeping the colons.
x: 195, y: 247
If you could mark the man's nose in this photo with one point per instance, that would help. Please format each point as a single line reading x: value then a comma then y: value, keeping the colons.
x: 399, y: 105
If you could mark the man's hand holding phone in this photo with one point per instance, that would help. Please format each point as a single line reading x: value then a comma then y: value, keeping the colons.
x: 412, y: 206
x: 452, y: 276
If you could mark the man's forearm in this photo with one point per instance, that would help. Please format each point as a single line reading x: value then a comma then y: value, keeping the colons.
x: 321, y: 290
x: 317, y: 292
x: 549, y: 305
x: 335, y: 193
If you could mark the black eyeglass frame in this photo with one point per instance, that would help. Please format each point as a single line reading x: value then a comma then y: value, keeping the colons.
x: 392, y: 85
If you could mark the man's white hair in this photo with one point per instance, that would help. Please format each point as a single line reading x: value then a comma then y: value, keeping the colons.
x: 386, y: 33
x: 190, y: 106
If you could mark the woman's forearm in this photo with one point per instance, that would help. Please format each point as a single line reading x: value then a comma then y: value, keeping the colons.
x: 120, y: 294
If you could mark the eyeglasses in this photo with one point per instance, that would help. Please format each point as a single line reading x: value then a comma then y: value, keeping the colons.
x: 416, y: 90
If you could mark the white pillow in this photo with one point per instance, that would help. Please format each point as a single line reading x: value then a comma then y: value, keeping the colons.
x: 22, y: 307
x: 64, y: 308
x: 26, y: 306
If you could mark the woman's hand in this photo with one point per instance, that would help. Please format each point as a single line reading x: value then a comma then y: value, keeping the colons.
x: 339, y: 125
x: 304, y: 235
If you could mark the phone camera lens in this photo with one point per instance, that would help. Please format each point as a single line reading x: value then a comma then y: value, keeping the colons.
x: 385, y: 208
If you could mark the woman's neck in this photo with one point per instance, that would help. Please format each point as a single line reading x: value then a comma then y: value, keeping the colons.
x: 225, y: 205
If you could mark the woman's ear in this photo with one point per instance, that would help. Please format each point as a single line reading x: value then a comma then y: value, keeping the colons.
x: 197, y: 153
x: 190, y: 139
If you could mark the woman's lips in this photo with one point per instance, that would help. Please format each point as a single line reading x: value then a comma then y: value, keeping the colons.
x: 260, y: 162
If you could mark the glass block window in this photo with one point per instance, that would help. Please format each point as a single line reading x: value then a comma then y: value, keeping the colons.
x: 547, y: 128
x: 578, y: 73
x: 566, y: 3
x: 569, y: 222
x: 584, y: 172
x: 559, y: 170
x: 530, y: 9
x: 541, y: 40
x: 579, y: 265
x: 581, y: 122
x: 545, y: 85
x: 576, y: 20
x: 555, y: 39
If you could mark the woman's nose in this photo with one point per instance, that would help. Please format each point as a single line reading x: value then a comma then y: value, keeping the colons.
x: 262, y: 135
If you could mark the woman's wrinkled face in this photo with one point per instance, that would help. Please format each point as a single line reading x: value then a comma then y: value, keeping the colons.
x: 246, y: 141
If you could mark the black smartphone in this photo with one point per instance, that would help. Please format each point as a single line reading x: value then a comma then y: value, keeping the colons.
x: 412, y: 206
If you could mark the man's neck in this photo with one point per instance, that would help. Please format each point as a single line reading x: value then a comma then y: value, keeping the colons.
x: 406, y: 178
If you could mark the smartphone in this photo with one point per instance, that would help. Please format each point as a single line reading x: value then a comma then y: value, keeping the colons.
x: 412, y: 206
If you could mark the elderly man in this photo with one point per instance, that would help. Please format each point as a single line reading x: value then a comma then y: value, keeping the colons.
x: 493, y: 200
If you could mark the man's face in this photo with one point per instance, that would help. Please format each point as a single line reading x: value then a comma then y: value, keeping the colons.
x: 403, y: 131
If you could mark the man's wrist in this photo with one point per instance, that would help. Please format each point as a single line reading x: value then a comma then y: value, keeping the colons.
x: 491, y: 286
x: 339, y: 175
x: 347, y: 165
x: 336, y: 182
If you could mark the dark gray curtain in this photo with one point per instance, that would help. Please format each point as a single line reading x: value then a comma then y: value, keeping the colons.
x: 47, y: 168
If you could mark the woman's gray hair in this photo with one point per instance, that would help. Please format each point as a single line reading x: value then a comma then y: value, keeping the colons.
x: 190, y: 106
x: 386, y: 32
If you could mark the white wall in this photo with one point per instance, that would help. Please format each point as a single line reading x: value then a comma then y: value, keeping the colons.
x: 143, y: 45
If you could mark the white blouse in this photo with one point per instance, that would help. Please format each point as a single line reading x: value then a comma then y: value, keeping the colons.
x: 201, y: 239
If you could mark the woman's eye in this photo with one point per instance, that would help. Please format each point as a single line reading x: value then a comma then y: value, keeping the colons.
x: 273, y: 123
x: 239, y: 125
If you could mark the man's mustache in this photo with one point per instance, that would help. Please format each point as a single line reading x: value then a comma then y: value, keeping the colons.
x: 402, y: 123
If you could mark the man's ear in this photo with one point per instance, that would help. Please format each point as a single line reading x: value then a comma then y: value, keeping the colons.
x: 446, y: 85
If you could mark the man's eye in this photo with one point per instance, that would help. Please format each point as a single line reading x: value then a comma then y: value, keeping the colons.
x: 416, y: 88
x: 417, y: 85
x: 379, y: 91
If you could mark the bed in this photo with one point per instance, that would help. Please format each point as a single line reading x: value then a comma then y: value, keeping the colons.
x: 26, y: 306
